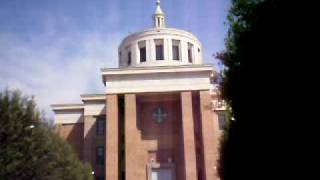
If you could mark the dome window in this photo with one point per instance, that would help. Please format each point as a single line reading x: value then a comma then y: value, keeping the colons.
x: 176, y: 50
x: 129, y: 58
x: 190, y: 52
x: 159, y: 49
x: 120, y: 57
x: 143, y: 52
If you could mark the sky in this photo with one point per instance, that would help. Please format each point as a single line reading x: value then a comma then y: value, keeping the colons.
x: 54, y: 49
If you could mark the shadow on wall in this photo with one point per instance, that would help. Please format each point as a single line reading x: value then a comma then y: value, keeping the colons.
x: 163, y: 140
x: 73, y: 133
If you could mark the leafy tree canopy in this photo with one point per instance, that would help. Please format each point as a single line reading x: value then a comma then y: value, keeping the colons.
x: 255, y: 46
x: 28, y: 147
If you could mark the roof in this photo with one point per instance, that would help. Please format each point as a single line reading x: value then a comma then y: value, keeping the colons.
x: 56, y: 107
x: 92, y: 97
x: 157, y: 69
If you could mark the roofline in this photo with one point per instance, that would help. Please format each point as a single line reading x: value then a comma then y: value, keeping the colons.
x: 155, y: 70
x: 56, y: 107
x: 92, y: 97
x: 203, y: 67
x: 157, y: 29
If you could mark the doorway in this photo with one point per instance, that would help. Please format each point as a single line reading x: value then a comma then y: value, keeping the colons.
x: 162, y: 174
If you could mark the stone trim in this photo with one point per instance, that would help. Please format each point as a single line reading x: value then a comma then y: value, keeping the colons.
x: 56, y: 107
x: 156, y: 69
x: 93, y: 97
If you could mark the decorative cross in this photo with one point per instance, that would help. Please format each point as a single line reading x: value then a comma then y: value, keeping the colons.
x: 159, y: 115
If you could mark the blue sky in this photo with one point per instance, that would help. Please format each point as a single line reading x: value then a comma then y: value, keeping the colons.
x: 54, y: 49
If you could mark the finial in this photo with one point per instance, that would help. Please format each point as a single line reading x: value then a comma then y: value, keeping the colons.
x: 159, y: 16
x: 158, y: 8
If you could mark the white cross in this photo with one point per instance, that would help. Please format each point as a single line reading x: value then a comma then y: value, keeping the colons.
x: 159, y: 115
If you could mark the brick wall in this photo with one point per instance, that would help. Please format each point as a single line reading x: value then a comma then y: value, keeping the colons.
x: 73, y: 133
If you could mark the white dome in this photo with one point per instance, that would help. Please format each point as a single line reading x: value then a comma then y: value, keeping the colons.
x: 160, y: 47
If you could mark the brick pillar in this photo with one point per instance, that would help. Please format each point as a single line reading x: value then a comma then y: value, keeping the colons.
x: 88, y: 135
x: 112, y: 138
x: 209, y: 131
x: 135, y: 163
x: 189, y: 155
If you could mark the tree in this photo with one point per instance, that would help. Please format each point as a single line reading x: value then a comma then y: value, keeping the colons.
x: 28, y: 147
x: 255, y: 50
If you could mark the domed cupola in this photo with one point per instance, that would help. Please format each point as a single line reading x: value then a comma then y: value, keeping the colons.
x: 160, y: 46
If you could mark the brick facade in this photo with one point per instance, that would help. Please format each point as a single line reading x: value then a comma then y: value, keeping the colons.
x: 189, y: 149
x: 73, y: 133
x: 112, y: 132
x: 186, y: 141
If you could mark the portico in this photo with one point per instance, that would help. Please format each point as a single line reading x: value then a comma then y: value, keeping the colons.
x: 163, y: 122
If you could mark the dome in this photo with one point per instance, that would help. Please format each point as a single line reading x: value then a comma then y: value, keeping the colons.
x: 160, y: 46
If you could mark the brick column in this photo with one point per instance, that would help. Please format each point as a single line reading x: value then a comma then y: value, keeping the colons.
x: 209, y: 131
x: 112, y: 138
x: 189, y: 155
x: 88, y: 143
x: 135, y: 163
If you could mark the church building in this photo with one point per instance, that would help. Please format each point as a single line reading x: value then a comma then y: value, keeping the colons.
x: 159, y: 117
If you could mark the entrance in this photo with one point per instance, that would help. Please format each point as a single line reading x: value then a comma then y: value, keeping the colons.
x: 162, y: 174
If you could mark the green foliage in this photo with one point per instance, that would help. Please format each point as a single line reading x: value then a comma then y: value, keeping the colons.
x: 255, y: 41
x: 28, y: 147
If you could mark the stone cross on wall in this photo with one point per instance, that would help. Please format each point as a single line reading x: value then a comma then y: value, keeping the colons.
x: 159, y: 115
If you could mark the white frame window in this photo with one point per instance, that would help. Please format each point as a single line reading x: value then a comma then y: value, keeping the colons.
x: 159, y: 47
x: 176, y: 50
x: 190, y: 53
x: 142, y: 51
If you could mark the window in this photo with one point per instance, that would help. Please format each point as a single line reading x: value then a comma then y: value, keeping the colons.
x: 143, y: 57
x: 129, y: 58
x: 143, y: 52
x: 159, y: 52
x: 100, y: 155
x: 175, y: 50
x: 162, y: 173
x: 159, y: 49
x: 222, y: 120
x: 189, y: 56
x: 190, y: 52
x: 100, y: 126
